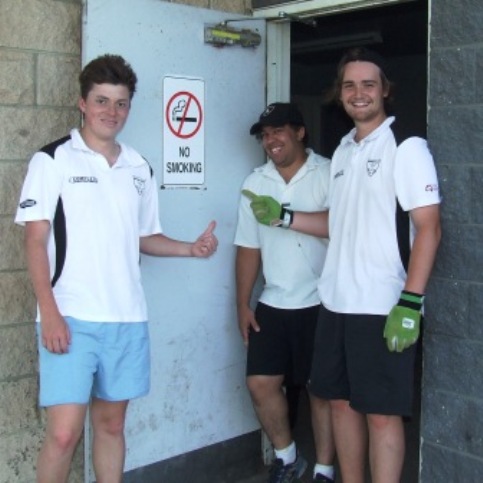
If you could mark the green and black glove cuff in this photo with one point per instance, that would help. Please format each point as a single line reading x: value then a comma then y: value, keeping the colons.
x: 411, y: 300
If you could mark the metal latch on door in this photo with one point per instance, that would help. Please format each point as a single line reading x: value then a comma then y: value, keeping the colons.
x: 221, y: 35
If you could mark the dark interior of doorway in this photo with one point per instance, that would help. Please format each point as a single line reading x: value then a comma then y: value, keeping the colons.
x: 399, y: 32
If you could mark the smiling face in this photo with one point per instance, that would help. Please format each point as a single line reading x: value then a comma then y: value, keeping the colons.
x: 105, y: 109
x: 362, y: 94
x: 283, y: 144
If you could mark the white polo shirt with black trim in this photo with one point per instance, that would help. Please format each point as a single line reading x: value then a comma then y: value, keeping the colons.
x: 364, y: 272
x: 97, y: 215
x: 292, y: 262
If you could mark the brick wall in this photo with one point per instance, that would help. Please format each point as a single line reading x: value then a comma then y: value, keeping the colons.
x: 235, y: 6
x: 39, y: 64
x: 40, y: 47
x: 452, y: 417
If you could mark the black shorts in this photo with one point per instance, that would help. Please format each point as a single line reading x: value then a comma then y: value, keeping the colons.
x: 352, y: 362
x: 284, y: 344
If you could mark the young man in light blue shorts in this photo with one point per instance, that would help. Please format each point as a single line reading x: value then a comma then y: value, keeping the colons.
x: 108, y: 361
x: 90, y: 206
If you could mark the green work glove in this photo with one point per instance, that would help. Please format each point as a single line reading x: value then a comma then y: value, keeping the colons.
x: 266, y: 209
x: 402, y: 323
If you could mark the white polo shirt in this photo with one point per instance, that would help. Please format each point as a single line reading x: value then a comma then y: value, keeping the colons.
x: 292, y: 262
x: 363, y: 272
x: 97, y: 214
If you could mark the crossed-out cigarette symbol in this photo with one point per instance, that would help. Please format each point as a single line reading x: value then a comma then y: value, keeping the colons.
x: 178, y: 112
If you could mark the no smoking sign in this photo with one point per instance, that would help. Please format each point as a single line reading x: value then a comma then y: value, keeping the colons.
x: 184, y: 115
x: 183, y: 131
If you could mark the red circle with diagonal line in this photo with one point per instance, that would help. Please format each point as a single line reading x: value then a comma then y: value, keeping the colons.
x: 184, y: 115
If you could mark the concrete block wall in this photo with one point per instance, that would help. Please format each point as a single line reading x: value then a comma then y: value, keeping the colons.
x: 40, y: 59
x: 452, y: 406
x: 39, y: 65
x: 235, y: 6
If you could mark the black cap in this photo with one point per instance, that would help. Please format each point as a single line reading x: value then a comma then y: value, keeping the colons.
x: 278, y: 114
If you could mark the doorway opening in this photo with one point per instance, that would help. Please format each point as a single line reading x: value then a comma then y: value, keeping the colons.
x: 399, y: 32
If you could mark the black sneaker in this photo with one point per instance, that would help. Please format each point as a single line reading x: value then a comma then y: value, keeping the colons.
x: 323, y: 479
x: 280, y: 473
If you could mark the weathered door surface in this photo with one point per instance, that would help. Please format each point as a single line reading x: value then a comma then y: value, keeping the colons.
x: 198, y: 395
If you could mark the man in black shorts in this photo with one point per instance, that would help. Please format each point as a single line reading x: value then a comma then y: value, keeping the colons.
x: 280, y: 333
x: 384, y: 233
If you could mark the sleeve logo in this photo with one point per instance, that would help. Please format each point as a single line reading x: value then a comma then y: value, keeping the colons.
x: 27, y: 203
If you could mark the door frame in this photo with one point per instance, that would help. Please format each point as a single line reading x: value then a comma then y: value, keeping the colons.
x: 278, y: 68
x: 311, y: 8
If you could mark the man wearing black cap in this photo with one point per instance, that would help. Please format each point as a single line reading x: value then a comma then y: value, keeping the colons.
x: 280, y: 333
x: 384, y: 233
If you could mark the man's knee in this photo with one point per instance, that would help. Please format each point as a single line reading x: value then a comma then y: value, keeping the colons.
x: 263, y: 387
x: 108, y: 418
x: 380, y: 422
x: 110, y: 426
x: 63, y: 439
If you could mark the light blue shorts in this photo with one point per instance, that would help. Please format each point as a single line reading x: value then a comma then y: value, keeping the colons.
x: 106, y: 360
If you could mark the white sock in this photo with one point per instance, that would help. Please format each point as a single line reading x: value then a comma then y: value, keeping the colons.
x: 288, y: 454
x: 324, y: 470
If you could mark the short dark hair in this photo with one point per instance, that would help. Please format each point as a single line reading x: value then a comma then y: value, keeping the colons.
x: 107, y: 69
x: 361, y: 54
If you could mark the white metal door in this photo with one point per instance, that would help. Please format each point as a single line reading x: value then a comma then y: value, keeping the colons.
x: 198, y: 395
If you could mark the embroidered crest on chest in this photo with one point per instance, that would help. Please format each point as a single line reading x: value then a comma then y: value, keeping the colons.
x: 139, y: 184
x: 372, y: 166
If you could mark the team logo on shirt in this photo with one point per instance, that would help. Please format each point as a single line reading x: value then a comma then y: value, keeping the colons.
x: 27, y: 203
x: 339, y: 174
x: 431, y: 187
x: 139, y: 184
x: 372, y: 166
